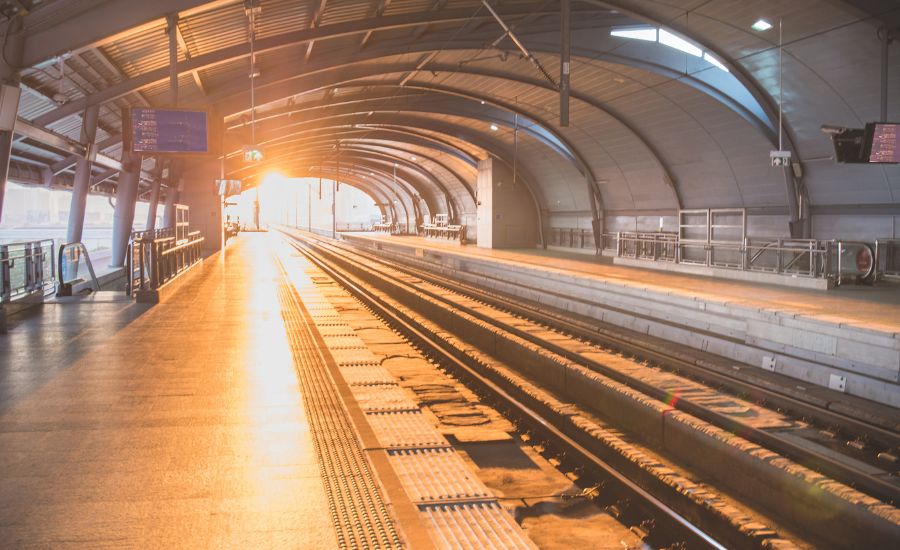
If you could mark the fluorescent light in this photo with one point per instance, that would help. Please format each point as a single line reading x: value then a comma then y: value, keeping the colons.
x: 668, y: 39
x: 636, y: 33
x: 761, y: 25
x: 712, y: 60
x: 494, y: 127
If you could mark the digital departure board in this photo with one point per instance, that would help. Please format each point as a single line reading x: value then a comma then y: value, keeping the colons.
x: 883, y: 145
x: 168, y: 131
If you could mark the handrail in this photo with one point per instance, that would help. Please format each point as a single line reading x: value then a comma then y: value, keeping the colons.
x: 887, y: 257
x: 154, y: 259
x: 33, y: 275
x: 781, y: 256
x: 65, y: 287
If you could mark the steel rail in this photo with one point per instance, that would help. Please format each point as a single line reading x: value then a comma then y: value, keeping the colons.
x: 595, y: 331
x: 872, y: 485
x: 663, y: 515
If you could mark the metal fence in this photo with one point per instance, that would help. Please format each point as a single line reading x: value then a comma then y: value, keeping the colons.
x: 154, y: 260
x: 576, y: 237
x: 840, y: 260
x: 887, y: 257
x: 26, y: 268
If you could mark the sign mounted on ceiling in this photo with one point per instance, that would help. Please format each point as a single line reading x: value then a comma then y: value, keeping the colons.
x: 152, y: 131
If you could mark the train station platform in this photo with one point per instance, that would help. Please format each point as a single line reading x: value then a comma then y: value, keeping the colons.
x: 847, y: 339
x: 131, y: 426
x: 240, y: 411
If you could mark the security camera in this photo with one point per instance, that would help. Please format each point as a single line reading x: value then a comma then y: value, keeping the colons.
x: 832, y: 130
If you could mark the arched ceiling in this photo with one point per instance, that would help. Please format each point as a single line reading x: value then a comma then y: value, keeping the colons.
x: 652, y: 129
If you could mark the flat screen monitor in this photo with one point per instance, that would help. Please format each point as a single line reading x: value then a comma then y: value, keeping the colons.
x: 882, y: 143
x: 168, y: 131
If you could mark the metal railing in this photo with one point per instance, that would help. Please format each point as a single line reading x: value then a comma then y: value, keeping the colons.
x: 887, y: 258
x: 26, y: 268
x: 347, y: 226
x: 571, y: 237
x: 647, y: 246
x: 153, y: 260
x: 580, y: 238
x: 72, y: 256
x: 838, y: 260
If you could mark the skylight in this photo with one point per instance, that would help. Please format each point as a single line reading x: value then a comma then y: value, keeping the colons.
x: 712, y: 60
x: 636, y: 33
x: 668, y: 39
x: 664, y: 37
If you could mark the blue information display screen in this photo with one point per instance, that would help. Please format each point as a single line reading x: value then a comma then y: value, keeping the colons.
x: 168, y: 131
x: 885, y: 144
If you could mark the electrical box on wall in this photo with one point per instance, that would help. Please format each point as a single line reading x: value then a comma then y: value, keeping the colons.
x: 9, y: 106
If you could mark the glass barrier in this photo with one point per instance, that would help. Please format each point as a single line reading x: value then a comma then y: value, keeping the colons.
x: 26, y: 268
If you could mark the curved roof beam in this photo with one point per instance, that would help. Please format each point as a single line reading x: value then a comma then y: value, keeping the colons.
x: 382, y: 163
x: 495, y: 148
x: 387, y: 193
x: 524, y: 176
x: 368, y: 135
x: 262, y: 45
x: 370, y: 188
x: 326, y: 148
x: 379, y: 148
x: 407, y: 185
x: 399, y: 200
x: 797, y: 193
x: 415, y: 140
x: 537, y: 128
x: 360, y: 157
x: 461, y: 108
x: 458, y: 46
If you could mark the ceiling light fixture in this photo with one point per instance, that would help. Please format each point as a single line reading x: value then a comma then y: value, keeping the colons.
x: 761, y: 25
x: 412, y: 158
x: 494, y: 127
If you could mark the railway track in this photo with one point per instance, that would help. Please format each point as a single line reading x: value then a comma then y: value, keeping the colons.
x: 574, y: 342
x: 833, y: 443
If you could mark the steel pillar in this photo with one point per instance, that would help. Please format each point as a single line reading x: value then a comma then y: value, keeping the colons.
x: 172, y: 22
x: 81, y: 185
x: 154, y: 204
x: 172, y: 193
x: 126, y: 199
x: 13, y: 44
x: 887, y: 36
x: 564, y: 60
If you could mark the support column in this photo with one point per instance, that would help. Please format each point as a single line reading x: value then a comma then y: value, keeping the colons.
x: 13, y: 44
x: 172, y: 193
x: 82, y: 181
x: 507, y: 217
x: 565, y: 13
x: 162, y: 171
x: 154, y: 204
x: 126, y: 199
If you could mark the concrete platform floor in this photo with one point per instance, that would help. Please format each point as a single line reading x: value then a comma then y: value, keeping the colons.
x: 876, y: 307
x: 177, y: 426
